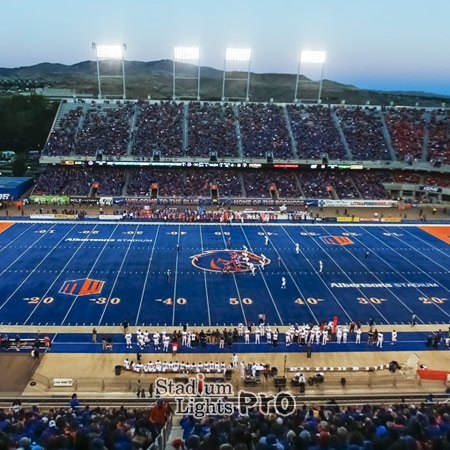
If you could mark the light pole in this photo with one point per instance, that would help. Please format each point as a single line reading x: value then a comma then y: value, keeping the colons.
x: 237, y: 55
x: 310, y: 57
x: 190, y: 55
x: 110, y: 52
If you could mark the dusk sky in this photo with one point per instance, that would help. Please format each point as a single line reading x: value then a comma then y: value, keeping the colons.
x: 387, y: 44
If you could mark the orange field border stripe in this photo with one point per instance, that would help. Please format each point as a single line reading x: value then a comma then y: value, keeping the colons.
x: 442, y: 233
x: 5, y: 225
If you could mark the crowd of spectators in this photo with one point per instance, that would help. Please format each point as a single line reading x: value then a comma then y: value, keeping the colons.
x: 159, y: 126
x: 62, y: 137
x: 368, y: 427
x: 436, y: 180
x: 198, y: 183
x: 194, y: 183
x: 314, y: 132
x: 370, y: 184
x: 260, y: 184
x: 169, y: 182
x: 406, y: 177
x: 407, y: 129
x: 184, y: 183
x: 315, y: 184
x: 81, y: 427
x: 112, y: 128
x: 211, y: 127
x: 106, y: 129
x: 439, y: 135
x: 63, y: 180
x: 263, y: 129
x: 363, y: 131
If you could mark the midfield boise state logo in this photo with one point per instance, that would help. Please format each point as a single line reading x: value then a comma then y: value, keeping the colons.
x: 228, y: 261
x: 84, y: 286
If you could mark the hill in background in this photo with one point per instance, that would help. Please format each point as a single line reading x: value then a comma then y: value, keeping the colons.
x: 154, y: 78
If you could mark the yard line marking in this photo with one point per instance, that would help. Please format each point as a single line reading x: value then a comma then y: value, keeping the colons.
x: 58, y: 276
x: 320, y: 278
x: 429, y: 276
x: 373, y: 273
x: 175, y: 277
x: 425, y: 242
x: 204, y: 276
x: 28, y: 248
x: 346, y: 274
x: 290, y: 274
x: 35, y: 268
x: 15, y: 239
x: 261, y: 272
x: 146, y: 277
x: 118, y: 274
x: 92, y: 269
x: 423, y: 271
x: 235, y: 282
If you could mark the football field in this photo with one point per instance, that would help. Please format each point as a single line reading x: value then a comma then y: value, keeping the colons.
x: 96, y: 273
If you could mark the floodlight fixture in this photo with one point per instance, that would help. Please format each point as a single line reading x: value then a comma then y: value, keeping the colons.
x: 190, y: 55
x: 313, y: 57
x: 310, y: 57
x: 186, y: 53
x: 236, y: 56
x: 110, y: 52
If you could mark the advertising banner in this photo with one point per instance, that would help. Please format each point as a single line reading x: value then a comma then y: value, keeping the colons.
x: 50, y: 199
x: 358, y: 203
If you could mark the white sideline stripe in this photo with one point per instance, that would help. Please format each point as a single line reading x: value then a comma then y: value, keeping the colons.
x: 35, y: 268
x: 146, y: 277
x: 320, y: 278
x: 261, y: 272
x: 89, y: 274
x: 249, y: 224
x: 204, y: 276
x: 117, y: 276
x: 57, y: 277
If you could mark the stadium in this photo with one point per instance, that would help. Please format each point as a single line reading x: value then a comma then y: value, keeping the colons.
x: 219, y: 272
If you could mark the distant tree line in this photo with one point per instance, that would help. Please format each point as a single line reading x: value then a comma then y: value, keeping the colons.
x: 25, y: 122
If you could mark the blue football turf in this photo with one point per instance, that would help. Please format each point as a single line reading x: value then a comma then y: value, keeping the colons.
x: 93, y: 273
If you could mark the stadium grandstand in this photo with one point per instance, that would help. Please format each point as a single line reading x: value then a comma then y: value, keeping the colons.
x: 245, y: 150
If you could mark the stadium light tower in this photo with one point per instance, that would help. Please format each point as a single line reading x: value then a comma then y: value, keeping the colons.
x: 310, y: 57
x: 237, y: 55
x: 185, y: 55
x: 108, y: 53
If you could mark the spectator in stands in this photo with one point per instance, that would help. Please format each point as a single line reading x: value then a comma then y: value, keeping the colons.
x: 263, y: 129
x: 363, y: 130
x: 211, y: 127
x: 314, y: 132
x: 160, y: 413
x: 159, y: 127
